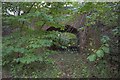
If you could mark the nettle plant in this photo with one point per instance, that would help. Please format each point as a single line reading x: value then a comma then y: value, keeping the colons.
x: 22, y: 50
x: 101, y: 51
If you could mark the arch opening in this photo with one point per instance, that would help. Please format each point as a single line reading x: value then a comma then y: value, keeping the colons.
x: 69, y: 30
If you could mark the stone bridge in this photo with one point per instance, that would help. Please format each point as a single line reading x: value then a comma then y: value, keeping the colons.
x: 72, y: 27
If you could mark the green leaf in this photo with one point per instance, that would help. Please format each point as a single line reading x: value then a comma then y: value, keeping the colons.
x: 100, y: 53
x: 40, y: 58
x: 92, y: 57
x: 106, y: 49
x: 107, y: 45
x: 105, y: 39
x: 49, y: 61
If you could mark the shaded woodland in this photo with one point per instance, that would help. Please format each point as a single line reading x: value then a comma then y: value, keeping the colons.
x: 60, y: 40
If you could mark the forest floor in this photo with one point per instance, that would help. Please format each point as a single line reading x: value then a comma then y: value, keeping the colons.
x: 76, y: 65
x: 70, y: 64
x: 73, y: 65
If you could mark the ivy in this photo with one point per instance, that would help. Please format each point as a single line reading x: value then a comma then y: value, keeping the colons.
x: 102, y: 50
x: 92, y: 57
x: 100, y: 53
x: 106, y: 49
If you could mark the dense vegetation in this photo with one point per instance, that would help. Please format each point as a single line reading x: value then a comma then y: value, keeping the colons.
x: 30, y: 50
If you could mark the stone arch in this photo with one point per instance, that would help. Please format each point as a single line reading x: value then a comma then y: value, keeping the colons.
x: 69, y: 29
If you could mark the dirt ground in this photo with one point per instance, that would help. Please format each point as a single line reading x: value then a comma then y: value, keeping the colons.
x: 74, y: 65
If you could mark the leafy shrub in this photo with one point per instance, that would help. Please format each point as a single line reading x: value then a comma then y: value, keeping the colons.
x: 30, y: 47
x: 62, y: 40
x: 19, y: 48
x: 101, y: 51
